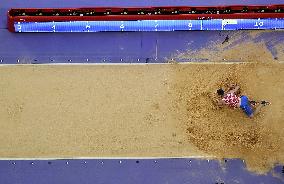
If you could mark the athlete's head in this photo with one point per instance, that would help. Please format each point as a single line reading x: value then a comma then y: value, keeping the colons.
x: 220, y: 92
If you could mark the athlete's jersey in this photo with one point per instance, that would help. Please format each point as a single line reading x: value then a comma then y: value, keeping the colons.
x: 231, y: 100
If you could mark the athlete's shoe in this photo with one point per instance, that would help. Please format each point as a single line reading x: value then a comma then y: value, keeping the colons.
x: 264, y: 103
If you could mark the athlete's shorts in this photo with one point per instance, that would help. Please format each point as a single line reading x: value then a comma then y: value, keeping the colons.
x: 245, y: 106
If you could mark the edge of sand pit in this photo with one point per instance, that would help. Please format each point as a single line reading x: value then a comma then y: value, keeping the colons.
x: 170, y: 62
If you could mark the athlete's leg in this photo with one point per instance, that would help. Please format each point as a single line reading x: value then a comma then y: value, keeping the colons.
x: 257, y: 109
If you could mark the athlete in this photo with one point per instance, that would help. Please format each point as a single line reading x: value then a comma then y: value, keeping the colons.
x: 232, y: 99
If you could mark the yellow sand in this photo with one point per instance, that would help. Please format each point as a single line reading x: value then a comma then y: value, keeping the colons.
x: 141, y: 110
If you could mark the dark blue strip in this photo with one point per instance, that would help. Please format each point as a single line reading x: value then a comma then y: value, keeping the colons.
x: 129, y: 171
x: 150, y: 25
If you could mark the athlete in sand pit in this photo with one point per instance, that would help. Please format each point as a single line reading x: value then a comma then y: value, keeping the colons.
x: 232, y: 99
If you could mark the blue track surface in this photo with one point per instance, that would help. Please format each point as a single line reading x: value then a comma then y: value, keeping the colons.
x: 130, y: 171
x: 122, y: 47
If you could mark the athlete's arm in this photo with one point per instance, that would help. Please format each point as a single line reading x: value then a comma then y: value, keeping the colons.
x: 221, y: 103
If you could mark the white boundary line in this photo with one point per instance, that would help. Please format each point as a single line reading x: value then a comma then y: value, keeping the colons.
x: 109, y: 158
x: 130, y: 64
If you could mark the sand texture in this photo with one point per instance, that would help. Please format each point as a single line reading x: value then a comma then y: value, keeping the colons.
x: 146, y: 110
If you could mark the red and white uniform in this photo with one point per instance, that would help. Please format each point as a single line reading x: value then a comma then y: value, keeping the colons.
x: 231, y: 100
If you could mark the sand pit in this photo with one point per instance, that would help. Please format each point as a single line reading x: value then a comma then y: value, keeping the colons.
x: 140, y: 111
